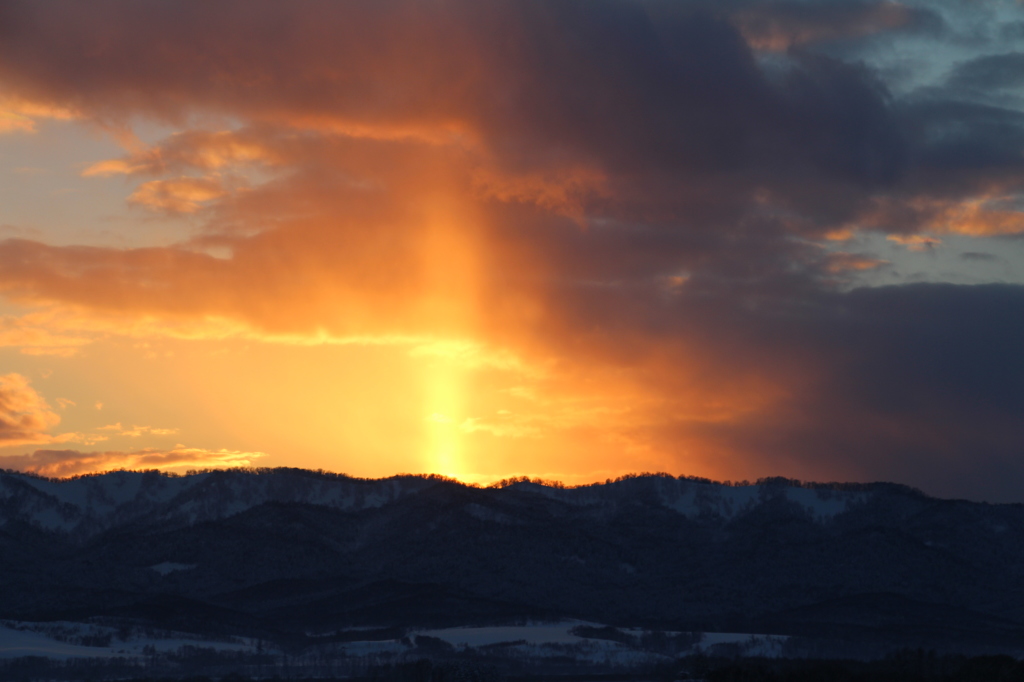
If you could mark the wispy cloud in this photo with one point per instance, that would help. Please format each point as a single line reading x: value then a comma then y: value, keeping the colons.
x: 136, y: 431
x: 60, y: 463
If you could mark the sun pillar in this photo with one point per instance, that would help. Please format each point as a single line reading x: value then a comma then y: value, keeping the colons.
x: 451, y: 290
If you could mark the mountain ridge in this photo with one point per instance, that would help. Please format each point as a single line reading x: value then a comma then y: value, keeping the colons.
x: 78, y: 504
x: 282, y: 552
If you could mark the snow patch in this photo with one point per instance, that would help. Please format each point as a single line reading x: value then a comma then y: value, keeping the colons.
x: 822, y: 503
x: 15, y: 643
x: 768, y: 646
x: 22, y: 638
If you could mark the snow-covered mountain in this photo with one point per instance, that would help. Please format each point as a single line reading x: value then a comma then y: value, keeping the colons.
x: 84, y: 506
x: 274, y: 552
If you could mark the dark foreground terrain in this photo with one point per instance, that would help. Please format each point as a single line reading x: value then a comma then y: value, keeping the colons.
x: 304, y: 566
x: 904, y: 666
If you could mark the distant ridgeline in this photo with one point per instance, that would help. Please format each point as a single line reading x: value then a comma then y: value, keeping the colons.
x: 283, y: 553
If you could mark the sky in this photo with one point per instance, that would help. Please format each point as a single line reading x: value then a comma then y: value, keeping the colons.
x: 568, y: 240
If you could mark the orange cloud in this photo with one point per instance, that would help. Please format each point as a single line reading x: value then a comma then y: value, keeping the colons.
x: 178, y: 195
x: 102, y: 169
x: 564, y: 192
x: 978, y: 216
x: 192, y: 150
x: 842, y: 234
x: 11, y: 122
x: 987, y: 212
x: 62, y: 463
x: 376, y: 256
x: 915, y: 242
x: 841, y: 261
x: 35, y: 334
x: 18, y: 115
x: 137, y: 431
x: 26, y: 417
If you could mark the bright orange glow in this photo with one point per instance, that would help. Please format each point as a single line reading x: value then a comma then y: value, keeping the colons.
x: 445, y: 399
x: 450, y: 282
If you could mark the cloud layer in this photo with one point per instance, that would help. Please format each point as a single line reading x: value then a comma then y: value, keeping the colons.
x: 64, y: 463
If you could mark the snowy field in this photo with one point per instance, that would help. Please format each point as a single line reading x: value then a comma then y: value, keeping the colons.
x: 60, y: 640
x: 64, y: 640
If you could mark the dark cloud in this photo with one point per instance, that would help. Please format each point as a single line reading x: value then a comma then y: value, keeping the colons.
x: 916, y: 382
x: 962, y: 138
x: 965, y: 174
x: 843, y: 114
x: 592, y: 81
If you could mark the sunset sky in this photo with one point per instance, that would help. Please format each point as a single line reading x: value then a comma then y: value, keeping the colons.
x: 573, y: 239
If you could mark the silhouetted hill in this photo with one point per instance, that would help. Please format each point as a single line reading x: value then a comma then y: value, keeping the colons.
x: 283, y: 552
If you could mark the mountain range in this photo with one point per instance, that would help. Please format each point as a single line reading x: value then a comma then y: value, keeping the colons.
x: 287, y: 554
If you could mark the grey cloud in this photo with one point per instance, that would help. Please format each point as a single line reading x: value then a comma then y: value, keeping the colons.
x: 992, y: 72
x: 978, y: 256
